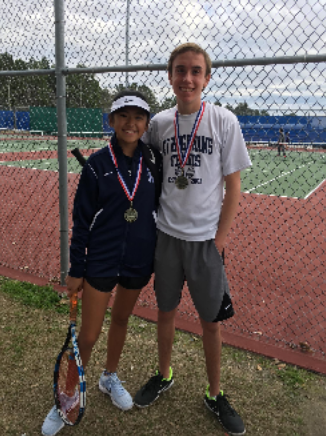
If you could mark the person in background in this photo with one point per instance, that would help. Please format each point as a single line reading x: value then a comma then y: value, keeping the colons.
x: 281, y: 143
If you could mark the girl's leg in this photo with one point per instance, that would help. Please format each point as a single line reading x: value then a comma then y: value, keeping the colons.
x: 123, y: 305
x: 94, y: 306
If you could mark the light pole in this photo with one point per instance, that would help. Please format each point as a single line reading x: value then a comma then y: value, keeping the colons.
x: 9, y: 102
x: 127, y: 42
x: 81, y: 91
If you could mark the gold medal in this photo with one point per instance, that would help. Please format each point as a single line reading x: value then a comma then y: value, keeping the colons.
x: 131, y: 214
x: 181, y: 182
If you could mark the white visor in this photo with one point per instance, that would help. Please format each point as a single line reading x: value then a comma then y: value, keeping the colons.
x: 129, y: 100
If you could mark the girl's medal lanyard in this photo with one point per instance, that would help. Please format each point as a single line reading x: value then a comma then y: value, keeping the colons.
x: 130, y: 214
x: 182, y: 181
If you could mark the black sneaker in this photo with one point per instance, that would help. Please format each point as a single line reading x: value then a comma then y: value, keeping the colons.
x: 226, y: 415
x: 152, y: 389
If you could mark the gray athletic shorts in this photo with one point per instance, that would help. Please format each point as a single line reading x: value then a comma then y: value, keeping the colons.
x: 201, y: 265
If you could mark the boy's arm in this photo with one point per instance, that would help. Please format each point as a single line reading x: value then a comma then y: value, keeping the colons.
x: 229, y: 208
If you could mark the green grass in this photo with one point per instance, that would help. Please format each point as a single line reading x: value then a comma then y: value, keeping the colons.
x: 39, y: 297
x: 273, y: 398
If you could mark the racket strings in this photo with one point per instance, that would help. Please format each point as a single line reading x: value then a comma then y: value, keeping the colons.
x: 68, y: 386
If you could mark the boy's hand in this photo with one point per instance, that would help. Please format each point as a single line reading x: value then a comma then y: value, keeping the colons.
x: 74, y: 285
x: 219, y: 246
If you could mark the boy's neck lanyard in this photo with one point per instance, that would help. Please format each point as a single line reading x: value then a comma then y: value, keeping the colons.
x: 182, y: 181
x: 130, y: 214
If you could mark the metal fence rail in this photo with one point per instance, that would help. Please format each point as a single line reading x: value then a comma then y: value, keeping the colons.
x: 268, y: 61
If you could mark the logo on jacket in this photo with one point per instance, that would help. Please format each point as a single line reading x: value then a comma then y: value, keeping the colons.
x: 150, y: 178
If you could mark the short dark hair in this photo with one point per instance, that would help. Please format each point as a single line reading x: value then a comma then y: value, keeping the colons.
x: 190, y: 46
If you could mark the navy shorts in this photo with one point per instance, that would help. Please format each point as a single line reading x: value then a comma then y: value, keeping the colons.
x: 107, y: 284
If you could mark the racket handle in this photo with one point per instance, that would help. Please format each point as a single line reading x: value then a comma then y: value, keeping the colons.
x: 79, y: 156
x: 73, y: 307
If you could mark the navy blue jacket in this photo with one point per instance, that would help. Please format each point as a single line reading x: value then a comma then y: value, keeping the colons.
x: 103, y: 244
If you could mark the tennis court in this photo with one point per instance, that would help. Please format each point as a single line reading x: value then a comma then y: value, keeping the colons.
x: 295, y: 176
x: 40, y: 153
x: 274, y: 259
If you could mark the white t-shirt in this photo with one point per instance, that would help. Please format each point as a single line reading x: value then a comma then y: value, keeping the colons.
x: 192, y: 214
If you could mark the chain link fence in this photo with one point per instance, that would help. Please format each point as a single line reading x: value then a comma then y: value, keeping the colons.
x: 268, y: 68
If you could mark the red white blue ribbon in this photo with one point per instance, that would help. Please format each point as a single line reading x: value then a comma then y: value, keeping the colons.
x: 183, y: 158
x: 129, y: 195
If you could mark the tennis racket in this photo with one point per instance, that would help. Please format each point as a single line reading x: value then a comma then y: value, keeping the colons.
x: 79, y: 156
x: 69, y: 382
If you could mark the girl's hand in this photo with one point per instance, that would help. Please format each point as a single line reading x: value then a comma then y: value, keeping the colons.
x: 74, y: 285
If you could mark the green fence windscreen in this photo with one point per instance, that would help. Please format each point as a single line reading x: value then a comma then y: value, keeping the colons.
x: 81, y: 122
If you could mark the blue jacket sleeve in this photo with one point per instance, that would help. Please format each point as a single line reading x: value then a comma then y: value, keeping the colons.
x: 85, y: 208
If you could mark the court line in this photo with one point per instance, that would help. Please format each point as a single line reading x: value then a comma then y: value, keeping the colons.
x: 275, y: 178
x: 315, y: 189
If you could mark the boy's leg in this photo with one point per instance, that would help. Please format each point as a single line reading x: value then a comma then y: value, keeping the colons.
x: 214, y: 398
x: 169, y: 278
x: 165, y: 336
x: 94, y: 306
x: 123, y: 305
x: 212, y: 344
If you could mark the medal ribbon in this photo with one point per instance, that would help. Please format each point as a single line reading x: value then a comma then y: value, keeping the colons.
x: 183, y: 159
x: 120, y: 178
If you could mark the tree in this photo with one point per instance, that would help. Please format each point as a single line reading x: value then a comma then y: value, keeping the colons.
x: 6, y: 64
x: 106, y: 100
x: 83, y: 90
x: 38, y: 90
x: 229, y: 107
x: 168, y: 103
x: 149, y: 94
x: 244, y: 109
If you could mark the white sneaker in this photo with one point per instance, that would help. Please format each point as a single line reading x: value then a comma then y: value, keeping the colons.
x: 52, y: 423
x: 111, y: 385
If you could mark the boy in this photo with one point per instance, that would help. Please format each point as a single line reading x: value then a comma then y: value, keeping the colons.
x: 202, y: 148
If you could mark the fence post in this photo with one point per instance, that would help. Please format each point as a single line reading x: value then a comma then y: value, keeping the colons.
x: 62, y: 136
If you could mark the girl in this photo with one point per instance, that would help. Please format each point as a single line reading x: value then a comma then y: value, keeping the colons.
x: 113, y: 239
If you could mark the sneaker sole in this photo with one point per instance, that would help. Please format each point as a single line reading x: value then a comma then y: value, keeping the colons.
x: 60, y: 423
x: 53, y: 434
x: 141, y: 406
x: 217, y: 416
x: 105, y: 391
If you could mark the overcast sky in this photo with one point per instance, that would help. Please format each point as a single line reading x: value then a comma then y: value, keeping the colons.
x: 228, y: 29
